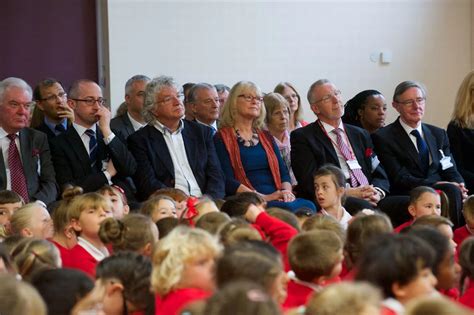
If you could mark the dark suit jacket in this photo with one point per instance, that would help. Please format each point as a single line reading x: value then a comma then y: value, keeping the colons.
x: 461, y: 141
x: 73, y: 166
x: 156, y: 168
x: 44, y: 128
x: 37, y: 165
x: 400, y: 157
x: 311, y: 148
x: 122, y: 127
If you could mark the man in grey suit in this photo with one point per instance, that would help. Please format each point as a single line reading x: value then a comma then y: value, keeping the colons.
x: 25, y: 163
x: 125, y: 124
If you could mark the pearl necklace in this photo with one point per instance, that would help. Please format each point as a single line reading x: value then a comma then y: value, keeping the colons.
x: 253, y: 141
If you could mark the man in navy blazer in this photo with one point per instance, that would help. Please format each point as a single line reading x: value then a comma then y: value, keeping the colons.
x: 131, y: 120
x: 173, y: 152
x: 32, y: 145
x: 401, y: 144
x: 75, y: 160
x: 314, y: 145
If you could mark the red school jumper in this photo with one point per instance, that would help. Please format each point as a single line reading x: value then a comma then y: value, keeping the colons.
x: 84, y: 256
x: 175, y: 300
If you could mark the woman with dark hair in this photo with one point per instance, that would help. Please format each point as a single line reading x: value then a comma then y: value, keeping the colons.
x: 366, y: 110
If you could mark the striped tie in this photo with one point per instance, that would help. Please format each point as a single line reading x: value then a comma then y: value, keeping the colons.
x: 356, y: 175
x: 17, y: 175
x: 92, y: 147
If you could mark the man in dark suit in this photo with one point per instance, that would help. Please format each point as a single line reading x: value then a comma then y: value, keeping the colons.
x: 328, y: 140
x: 173, y: 152
x: 25, y: 162
x: 415, y: 153
x: 132, y: 119
x: 89, y: 154
x: 204, y: 103
x: 51, y: 100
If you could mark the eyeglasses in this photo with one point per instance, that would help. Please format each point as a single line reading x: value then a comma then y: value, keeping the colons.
x: 91, y: 101
x: 327, y: 98
x: 169, y: 99
x: 52, y: 98
x: 17, y: 105
x: 418, y: 100
x: 250, y: 98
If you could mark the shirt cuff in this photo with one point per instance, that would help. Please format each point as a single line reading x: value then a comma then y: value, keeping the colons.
x: 381, y: 192
x: 109, y: 138
x: 109, y: 178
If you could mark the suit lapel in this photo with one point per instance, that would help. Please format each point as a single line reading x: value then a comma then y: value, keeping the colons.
x: 356, y: 145
x: 26, y: 154
x: 128, y: 124
x: 189, y: 139
x: 431, y: 142
x: 76, y: 144
x: 323, y: 138
x: 406, y: 144
x: 160, y: 148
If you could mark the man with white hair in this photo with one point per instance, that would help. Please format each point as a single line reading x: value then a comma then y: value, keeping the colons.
x: 25, y: 163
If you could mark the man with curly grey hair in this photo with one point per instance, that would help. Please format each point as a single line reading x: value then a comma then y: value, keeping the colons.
x: 171, y: 151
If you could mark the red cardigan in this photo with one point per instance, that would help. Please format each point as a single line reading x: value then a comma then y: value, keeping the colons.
x: 63, y: 252
x: 460, y: 234
x: 80, y: 259
x: 298, y: 295
x: 399, y: 228
x: 467, y: 298
x: 175, y: 300
x: 279, y: 234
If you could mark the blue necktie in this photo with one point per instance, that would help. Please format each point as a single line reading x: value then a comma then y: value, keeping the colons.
x: 92, y: 147
x: 423, y: 152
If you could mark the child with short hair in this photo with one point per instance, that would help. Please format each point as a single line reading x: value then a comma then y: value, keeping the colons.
x: 212, y: 221
x: 466, y: 260
x: 87, y: 212
x: 424, y: 201
x: 329, y: 186
x: 19, y: 297
x: 179, y: 197
x: 400, y: 265
x: 10, y: 201
x: 118, y: 199
x: 237, y: 230
x: 183, y: 269
x: 315, y: 258
x: 32, y: 220
x: 324, y: 222
x: 135, y: 232
x: 158, y: 207
x: 237, y: 205
x: 463, y: 232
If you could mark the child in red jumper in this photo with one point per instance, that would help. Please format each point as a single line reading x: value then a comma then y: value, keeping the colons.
x: 463, y: 232
x: 87, y: 213
x: 424, y: 200
x: 183, y: 269
x: 315, y: 259
x: 466, y: 260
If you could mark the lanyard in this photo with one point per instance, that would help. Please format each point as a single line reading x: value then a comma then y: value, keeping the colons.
x: 335, y: 144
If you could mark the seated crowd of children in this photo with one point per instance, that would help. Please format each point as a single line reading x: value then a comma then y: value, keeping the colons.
x: 182, y: 255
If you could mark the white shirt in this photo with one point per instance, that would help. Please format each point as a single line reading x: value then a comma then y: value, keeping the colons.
x: 409, y: 129
x: 342, y: 160
x: 183, y: 174
x: 344, y: 221
x: 5, y: 143
x: 212, y: 126
x: 135, y: 124
x: 95, y: 252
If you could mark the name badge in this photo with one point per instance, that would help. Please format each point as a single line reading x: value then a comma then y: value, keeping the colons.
x: 375, y: 162
x: 353, y: 164
x: 445, y: 161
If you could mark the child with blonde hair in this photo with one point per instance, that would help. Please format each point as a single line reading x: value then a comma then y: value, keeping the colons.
x: 32, y: 220
x: 135, y: 232
x: 183, y: 269
x: 87, y: 213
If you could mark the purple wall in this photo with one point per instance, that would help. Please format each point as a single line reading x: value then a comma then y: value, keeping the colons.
x: 48, y: 38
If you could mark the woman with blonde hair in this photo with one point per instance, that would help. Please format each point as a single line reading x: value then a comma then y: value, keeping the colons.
x: 249, y: 156
x: 461, y: 130
x: 288, y: 91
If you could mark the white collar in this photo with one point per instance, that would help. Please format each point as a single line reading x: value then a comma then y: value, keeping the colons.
x: 81, y: 129
x: 3, y: 133
x: 95, y: 252
x: 394, y: 305
x: 213, y: 125
x: 409, y: 129
x: 163, y: 129
x: 313, y: 286
x: 330, y: 128
x: 135, y: 124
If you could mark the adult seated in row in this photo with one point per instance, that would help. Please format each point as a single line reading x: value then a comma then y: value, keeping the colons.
x: 329, y: 141
x: 417, y: 154
x: 461, y: 131
x: 171, y: 151
x: 89, y: 155
x: 249, y: 157
x: 223, y: 93
x: 51, y: 100
x: 296, y: 109
x: 366, y: 110
x: 131, y: 120
x: 204, y: 103
x: 25, y: 159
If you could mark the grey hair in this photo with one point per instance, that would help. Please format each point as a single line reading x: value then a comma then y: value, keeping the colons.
x: 405, y: 85
x: 14, y: 82
x: 220, y: 88
x: 135, y: 78
x: 152, y: 88
x: 313, y: 86
x: 195, y: 88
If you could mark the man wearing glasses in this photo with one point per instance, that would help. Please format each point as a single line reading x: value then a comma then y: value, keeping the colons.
x: 51, y: 100
x: 328, y: 140
x: 172, y: 151
x: 89, y: 154
x: 205, y: 104
x: 415, y: 153
x: 25, y: 163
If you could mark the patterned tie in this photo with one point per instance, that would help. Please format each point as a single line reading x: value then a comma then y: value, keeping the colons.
x: 423, y: 151
x: 60, y: 128
x: 92, y: 147
x: 356, y: 175
x: 17, y: 175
